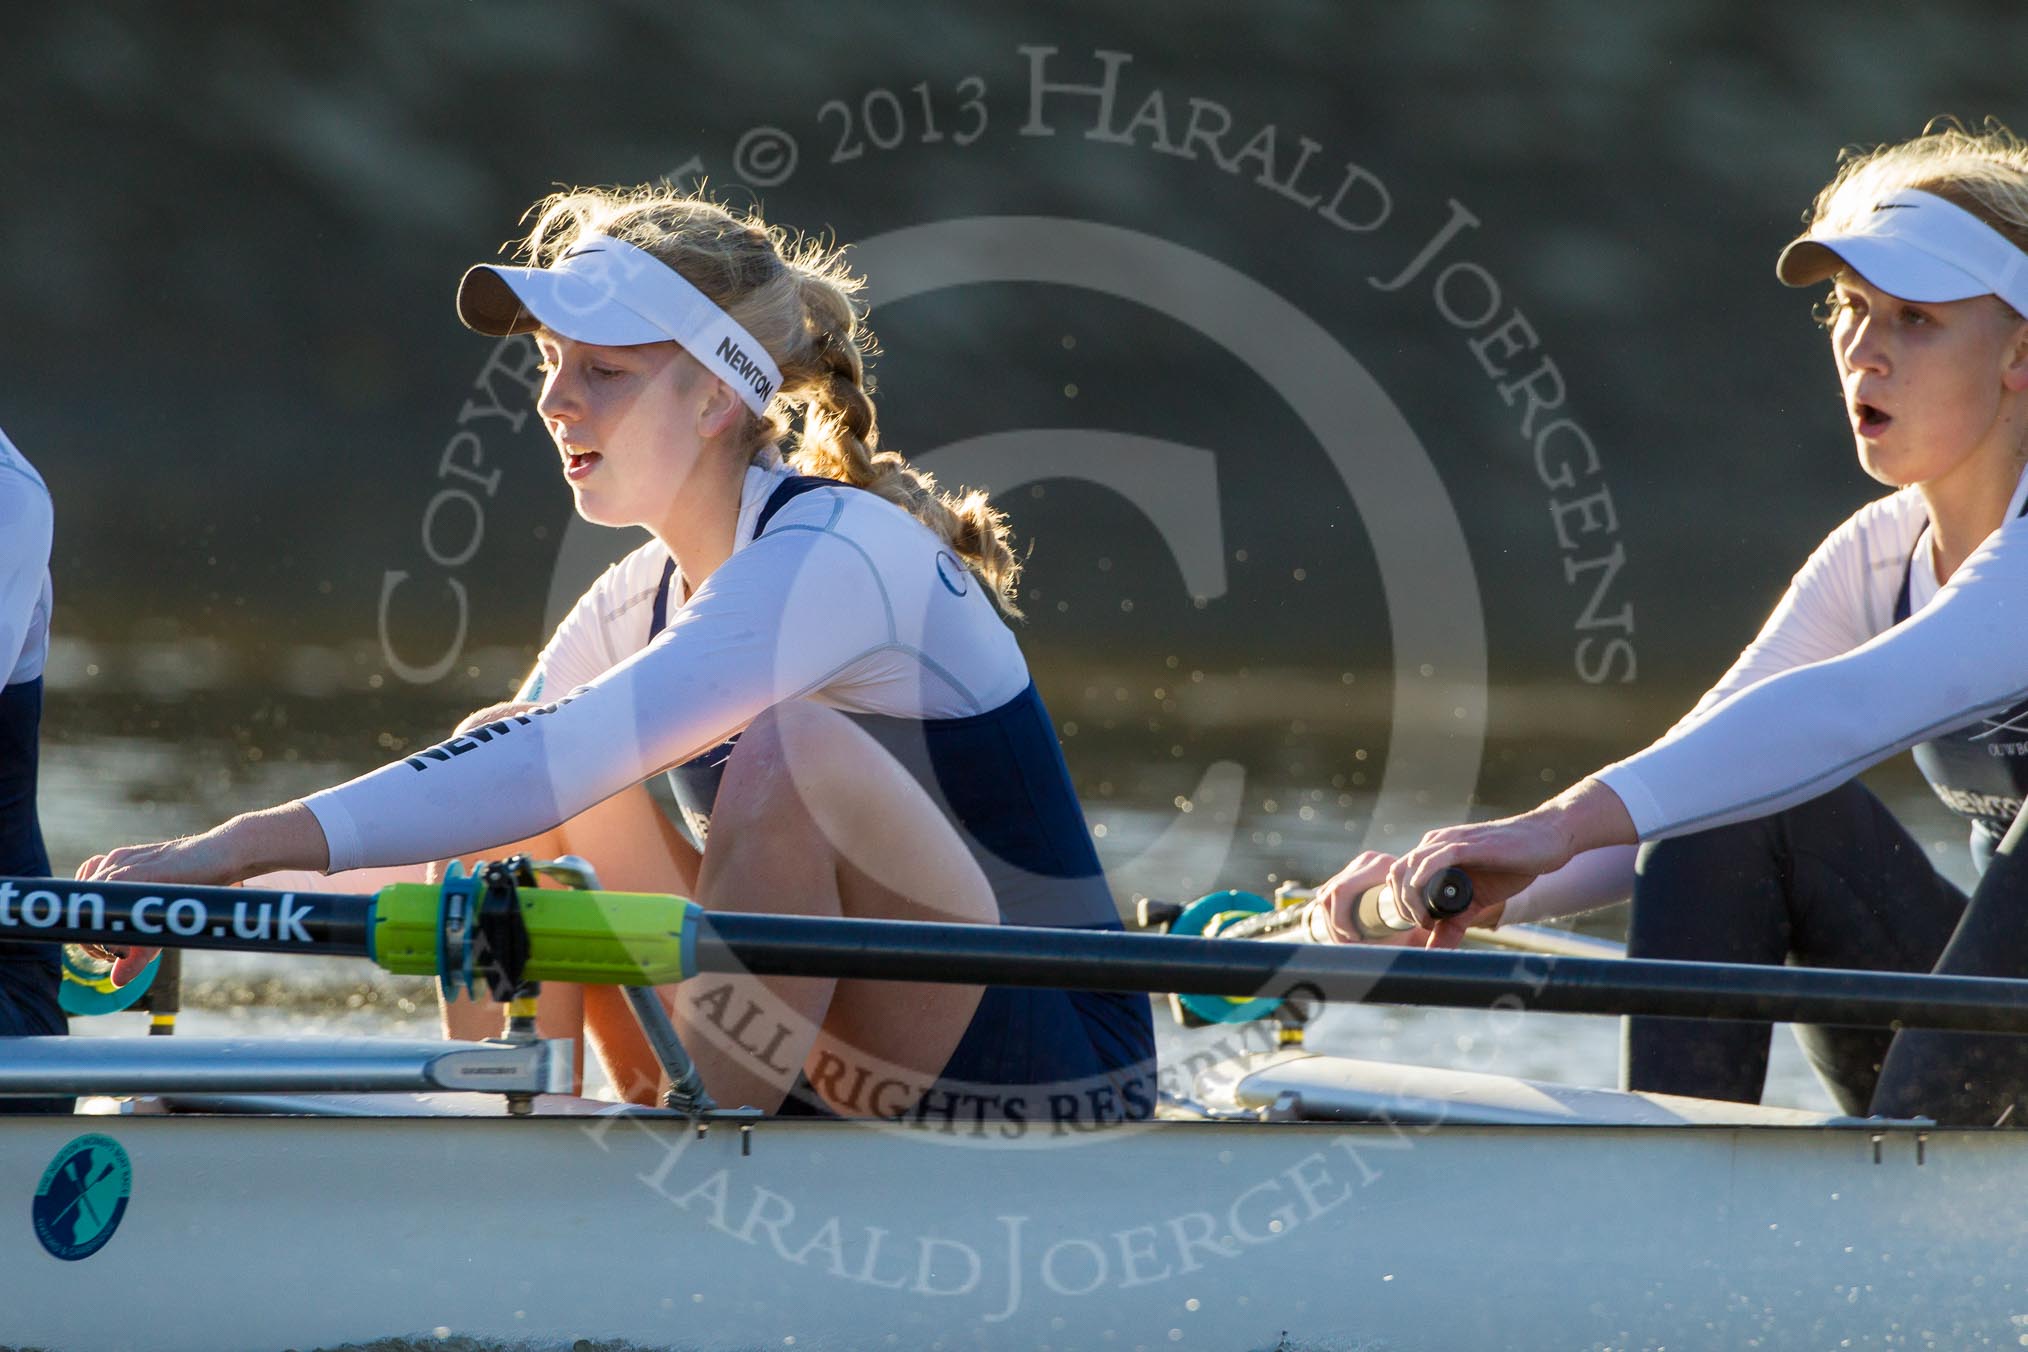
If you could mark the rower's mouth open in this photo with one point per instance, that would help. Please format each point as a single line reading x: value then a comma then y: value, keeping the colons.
x: 577, y: 464
x: 1872, y: 419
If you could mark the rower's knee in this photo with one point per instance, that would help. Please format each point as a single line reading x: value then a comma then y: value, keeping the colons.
x: 791, y: 759
x: 809, y: 780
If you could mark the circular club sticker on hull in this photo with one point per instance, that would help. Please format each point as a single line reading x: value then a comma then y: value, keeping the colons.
x: 82, y: 1196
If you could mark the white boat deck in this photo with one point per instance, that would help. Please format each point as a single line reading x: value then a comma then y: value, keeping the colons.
x: 1583, y: 1218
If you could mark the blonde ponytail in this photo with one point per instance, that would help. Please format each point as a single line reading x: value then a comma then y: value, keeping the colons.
x: 841, y: 440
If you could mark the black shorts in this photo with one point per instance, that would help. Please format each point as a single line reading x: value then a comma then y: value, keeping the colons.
x: 29, y: 1008
x: 1834, y: 882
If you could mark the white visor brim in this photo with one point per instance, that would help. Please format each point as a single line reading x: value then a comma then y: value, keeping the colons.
x: 1891, y: 265
x: 1915, y: 246
x: 607, y: 292
x: 502, y: 300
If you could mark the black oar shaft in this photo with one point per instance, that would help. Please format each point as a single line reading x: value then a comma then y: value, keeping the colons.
x: 247, y: 920
x: 1102, y: 960
x: 334, y: 924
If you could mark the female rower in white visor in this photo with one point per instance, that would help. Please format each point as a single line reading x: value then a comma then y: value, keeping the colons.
x: 1908, y: 627
x: 812, y: 645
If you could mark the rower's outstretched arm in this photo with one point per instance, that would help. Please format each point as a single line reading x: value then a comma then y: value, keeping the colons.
x: 1756, y: 746
x: 745, y: 641
x: 1804, y: 731
x: 781, y: 617
x: 1595, y: 878
x: 1505, y: 856
x: 285, y: 837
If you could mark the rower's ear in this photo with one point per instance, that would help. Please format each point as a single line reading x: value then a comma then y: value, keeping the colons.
x: 2014, y: 358
x: 719, y: 413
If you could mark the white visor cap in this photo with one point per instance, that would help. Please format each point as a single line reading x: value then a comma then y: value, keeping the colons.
x: 607, y: 291
x: 1916, y: 246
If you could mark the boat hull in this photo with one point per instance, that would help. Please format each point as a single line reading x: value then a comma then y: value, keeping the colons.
x: 268, y: 1232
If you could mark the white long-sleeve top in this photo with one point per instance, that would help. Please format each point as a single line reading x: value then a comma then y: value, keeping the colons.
x: 842, y: 598
x: 27, y: 524
x: 1832, y: 685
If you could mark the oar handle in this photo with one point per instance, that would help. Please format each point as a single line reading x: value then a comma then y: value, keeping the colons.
x: 1380, y: 912
x: 1376, y: 915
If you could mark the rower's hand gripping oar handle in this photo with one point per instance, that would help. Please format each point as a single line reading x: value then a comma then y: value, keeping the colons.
x: 1380, y: 912
x: 1376, y: 915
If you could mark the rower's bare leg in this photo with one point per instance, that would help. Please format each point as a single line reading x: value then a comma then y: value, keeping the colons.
x: 558, y: 1014
x: 813, y: 817
x: 631, y: 842
x: 635, y: 849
